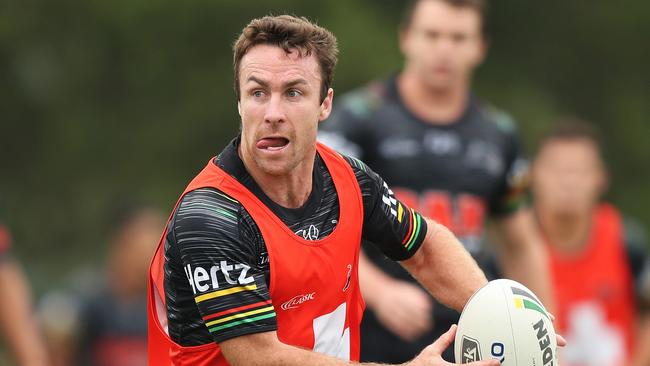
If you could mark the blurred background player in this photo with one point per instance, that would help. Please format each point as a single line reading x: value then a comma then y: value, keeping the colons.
x: 107, y: 322
x: 17, y: 320
x: 597, y: 259
x: 451, y: 157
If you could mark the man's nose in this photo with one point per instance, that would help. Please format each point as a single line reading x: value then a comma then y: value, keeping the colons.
x: 274, y: 112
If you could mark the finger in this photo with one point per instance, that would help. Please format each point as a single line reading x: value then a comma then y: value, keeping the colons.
x: 490, y: 362
x: 560, y: 340
x: 441, y: 344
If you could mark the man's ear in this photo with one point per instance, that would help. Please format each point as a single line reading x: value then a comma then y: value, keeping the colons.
x: 326, y: 105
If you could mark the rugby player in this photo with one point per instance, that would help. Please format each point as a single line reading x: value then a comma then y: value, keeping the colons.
x: 17, y: 319
x: 258, y: 263
x: 447, y: 154
x: 599, y: 266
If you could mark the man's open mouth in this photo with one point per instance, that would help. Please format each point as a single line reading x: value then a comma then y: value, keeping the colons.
x: 272, y: 143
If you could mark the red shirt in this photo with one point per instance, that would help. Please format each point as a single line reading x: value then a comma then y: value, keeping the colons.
x: 594, y: 292
x: 5, y: 240
x: 314, y: 284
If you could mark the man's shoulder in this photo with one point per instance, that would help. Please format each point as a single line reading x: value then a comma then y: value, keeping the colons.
x: 631, y: 229
x: 356, y: 164
x: 635, y: 235
x: 363, y: 101
x: 203, y: 197
x: 496, y: 118
x: 208, y: 209
x: 364, y: 174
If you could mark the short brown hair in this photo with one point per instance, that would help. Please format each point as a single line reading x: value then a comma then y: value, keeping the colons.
x: 572, y: 128
x: 409, y: 10
x: 290, y: 33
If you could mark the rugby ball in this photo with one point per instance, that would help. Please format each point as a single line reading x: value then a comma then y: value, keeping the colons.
x: 504, y: 320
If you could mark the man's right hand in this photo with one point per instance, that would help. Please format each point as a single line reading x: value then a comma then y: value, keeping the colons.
x: 431, y: 356
x: 405, y: 309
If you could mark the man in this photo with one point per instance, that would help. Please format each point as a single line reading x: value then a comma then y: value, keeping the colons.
x: 109, y: 326
x: 446, y: 154
x: 17, y: 320
x: 258, y: 264
x: 597, y: 262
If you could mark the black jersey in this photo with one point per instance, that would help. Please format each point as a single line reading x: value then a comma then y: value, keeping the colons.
x: 457, y: 173
x: 213, y: 236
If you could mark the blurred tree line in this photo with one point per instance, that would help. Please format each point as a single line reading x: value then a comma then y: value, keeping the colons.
x: 105, y: 98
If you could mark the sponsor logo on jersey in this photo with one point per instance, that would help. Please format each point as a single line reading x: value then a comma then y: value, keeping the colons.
x: 348, y: 278
x: 311, y: 233
x: 442, y: 143
x: 389, y: 200
x: 297, y: 300
x: 203, y: 280
x: 471, y: 350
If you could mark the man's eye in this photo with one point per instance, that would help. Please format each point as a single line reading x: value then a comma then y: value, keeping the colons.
x: 258, y: 93
x: 458, y: 38
x: 293, y: 93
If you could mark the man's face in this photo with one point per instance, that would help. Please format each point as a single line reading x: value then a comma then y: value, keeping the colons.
x: 131, y: 249
x: 443, y: 44
x: 568, y: 176
x: 280, y: 109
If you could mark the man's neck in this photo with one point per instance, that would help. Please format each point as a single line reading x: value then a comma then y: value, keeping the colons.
x: 435, y: 106
x: 566, y: 233
x: 288, y: 190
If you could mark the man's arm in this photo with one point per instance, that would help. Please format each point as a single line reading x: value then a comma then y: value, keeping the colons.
x: 641, y: 356
x: 265, y: 349
x: 401, y: 306
x: 445, y: 268
x: 522, y: 256
x: 17, y: 320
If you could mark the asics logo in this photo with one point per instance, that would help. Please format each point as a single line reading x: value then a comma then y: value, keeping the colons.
x: 297, y: 301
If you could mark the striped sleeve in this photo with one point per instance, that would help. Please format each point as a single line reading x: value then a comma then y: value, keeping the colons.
x: 394, y: 228
x: 223, y: 266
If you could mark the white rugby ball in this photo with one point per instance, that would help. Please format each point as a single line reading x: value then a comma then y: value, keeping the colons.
x: 506, y: 321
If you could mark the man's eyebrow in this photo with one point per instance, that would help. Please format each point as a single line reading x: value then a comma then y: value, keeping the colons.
x: 256, y: 80
x: 296, y: 82
x: 299, y: 81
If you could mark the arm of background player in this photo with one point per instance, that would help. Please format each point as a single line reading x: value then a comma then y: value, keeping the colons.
x: 445, y: 268
x: 401, y: 306
x: 17, y: 319
x: 265, y: 349
x: 522, y: 256
x: 641, y: 356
